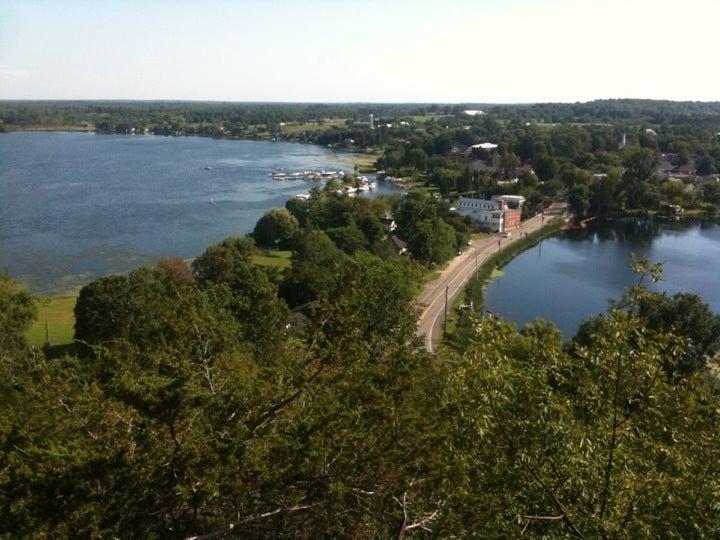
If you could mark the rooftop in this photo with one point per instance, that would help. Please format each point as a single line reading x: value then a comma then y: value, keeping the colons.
x: 485, y: 146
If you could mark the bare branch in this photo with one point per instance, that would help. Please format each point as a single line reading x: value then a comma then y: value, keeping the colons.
x: 68, y: 409
x: 363, y: 492
x: 536, y: 476
x: 421, y: 523
x: 275, y: 409
x: 253, y: 517
x: 403, y: 527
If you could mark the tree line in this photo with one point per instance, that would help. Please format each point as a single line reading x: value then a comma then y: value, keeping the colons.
x: 195, y: 402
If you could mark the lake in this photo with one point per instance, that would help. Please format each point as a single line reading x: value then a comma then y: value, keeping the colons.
x: 75, y: 206
x: 570, y: 277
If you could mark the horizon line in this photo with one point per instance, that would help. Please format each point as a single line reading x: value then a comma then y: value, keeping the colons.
x: 349, y: 102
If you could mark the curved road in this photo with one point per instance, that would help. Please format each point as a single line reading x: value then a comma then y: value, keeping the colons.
x: 458, y: 272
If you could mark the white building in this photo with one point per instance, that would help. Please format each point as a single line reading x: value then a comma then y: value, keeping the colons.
x: 492, y: 215
x: 487, y: 146
x: 486, y: 214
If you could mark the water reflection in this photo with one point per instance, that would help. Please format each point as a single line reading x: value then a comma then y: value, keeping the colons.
x: 571, y: 277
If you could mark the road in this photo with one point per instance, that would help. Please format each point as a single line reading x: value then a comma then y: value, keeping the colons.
x: 456, y: 275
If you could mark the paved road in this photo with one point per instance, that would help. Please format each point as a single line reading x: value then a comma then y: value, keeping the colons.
x: 456, y: 275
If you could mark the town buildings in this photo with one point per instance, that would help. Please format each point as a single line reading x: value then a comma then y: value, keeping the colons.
x: 494, y: 215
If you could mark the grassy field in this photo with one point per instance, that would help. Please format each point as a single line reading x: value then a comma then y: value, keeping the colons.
x: 57, y: 311
x: 364, y: 162
x: 293, y: 128
x: 278, y: 259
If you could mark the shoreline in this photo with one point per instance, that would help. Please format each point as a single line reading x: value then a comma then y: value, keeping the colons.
x: 514, y: 250
x: 61, y: 287
x: 491, y: 268
x: 440, y: 294
x: 486, y: 271
x: 80, y: 129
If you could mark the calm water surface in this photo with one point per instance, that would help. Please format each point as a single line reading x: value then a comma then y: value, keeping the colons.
x: 74, y: 206
x: 569, y: 278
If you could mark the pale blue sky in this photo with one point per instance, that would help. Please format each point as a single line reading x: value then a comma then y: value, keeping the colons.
x: 346, y: 50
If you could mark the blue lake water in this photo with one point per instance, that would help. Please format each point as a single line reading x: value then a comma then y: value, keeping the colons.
x: 569, y: 278
x: 74, y: 206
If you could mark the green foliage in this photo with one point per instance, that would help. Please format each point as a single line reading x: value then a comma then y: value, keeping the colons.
x: 579, y: 200
x: 227, y: 274
x: 640, y: 165
x: 150, y: 308
x: 196, y: 409
x: 446, y: 180
x: 464, y: 181
x: 349, y: 238
x: 590, y: 443
x: 314, y: 269
x: 545, y: 167
x: 711, y: 193
x: 705, y: 165
x: 604, y: 193
x: 101, y: 309
x: 410, y: 210
x: 17, y: 312
x: 277, y: 228
x: 222, y: 262
x: 433, y: 241
x: 346, y: 430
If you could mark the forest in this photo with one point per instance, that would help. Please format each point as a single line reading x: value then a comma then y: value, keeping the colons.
x: 229, y: 398
x: 196, y: 403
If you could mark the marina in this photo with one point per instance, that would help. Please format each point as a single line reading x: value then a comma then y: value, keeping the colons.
x: 76, y: 206
x: 316, y: 176
x: 351, y: 184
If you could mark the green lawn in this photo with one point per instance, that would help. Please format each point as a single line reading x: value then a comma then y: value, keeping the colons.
x: 57, y: 311
x: 364, y: 162
x: 278, y: 259
x: 293, y: 128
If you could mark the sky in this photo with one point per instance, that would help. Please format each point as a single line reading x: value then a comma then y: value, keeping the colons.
x: 452, y: 51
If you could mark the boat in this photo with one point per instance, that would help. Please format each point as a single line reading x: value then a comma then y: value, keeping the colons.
x: 307, y: 175
x: 208, y: 168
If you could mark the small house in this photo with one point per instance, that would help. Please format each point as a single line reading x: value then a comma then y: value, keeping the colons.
x: 400, y: 245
